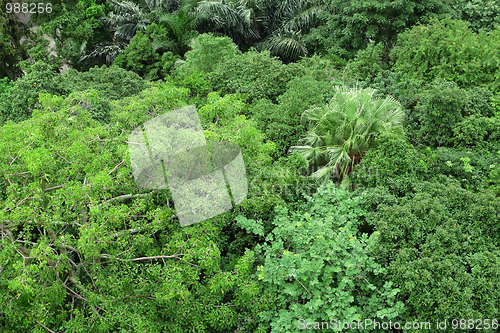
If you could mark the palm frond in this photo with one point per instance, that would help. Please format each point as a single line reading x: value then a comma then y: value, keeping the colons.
x: 286, y: 44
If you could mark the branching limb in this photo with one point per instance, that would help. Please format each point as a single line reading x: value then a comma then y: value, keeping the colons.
x: 126, y: 196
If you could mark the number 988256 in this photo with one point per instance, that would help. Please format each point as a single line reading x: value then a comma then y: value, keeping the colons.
x: 25, y: 8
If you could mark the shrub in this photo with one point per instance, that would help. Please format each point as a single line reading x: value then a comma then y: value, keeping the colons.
x: 479, y: 102
x: 367, y: 63
x: 256, y: 75
x: 197, y: 82
x: 146, y: 56
x: 440, y: 107
x: 439, y: 243
x: 394, y: 163
x: 207, y: 51
x: 18, y: 102
x: 448, y: 49
x: 114, y: 82
x: 132, y: 111
x: 482, y: 15
x: 477, y: 131
x: 469, y: 167
x: 93, y: 101
x: 319, y: 268
x: 281, y: 122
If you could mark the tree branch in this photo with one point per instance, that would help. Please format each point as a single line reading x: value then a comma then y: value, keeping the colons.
x: 116, y: 167
x: 39, y: 323
x: 126, y: 196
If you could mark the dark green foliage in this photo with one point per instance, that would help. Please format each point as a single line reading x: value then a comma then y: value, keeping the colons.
x: 114, y: 82
x: 351, y: 25
x: 449, y: 116
x: 470, y: 167
x: 441, y: 105
x: 439, y: 243
x: 18, y: 103
x: 281, y: 122
x: 482, y: 15
x: 479, y: 102
x: 448, y: 49
x: 395, y: 164
x: 11, y: 49
x: 477, y: 131
x: 318, y: 266
x: 368, y: 63
x: 256, y: 75
x: 145, y: 55
x: 493, y: 181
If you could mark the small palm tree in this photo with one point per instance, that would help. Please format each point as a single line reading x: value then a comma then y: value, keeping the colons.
x: 342, y: 131
x: 286, y: 21
x: 127, y: 19
x: 230, y: 18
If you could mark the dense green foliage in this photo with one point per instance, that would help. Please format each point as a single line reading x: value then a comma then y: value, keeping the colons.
x: 146, y: 55
x: 439, y: 243
x: 350, y: 26
x: 256, y: 75
x: 369, y: 135
x: 319, y: 266
x: 449, y: 49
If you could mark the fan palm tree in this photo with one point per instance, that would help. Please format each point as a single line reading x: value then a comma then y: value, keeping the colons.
x: 342, y: 131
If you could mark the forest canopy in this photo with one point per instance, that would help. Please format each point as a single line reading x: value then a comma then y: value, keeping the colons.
x: 369, y: 134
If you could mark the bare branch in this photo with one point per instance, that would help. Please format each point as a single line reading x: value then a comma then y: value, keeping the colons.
x: 53, y: 188
x: 63, y: 158
x: 304, y: 287
x: 116, y: 167
x: 39, y: 323
x: 18, y: 174
x: 156, y: 257
x: 126, y: 196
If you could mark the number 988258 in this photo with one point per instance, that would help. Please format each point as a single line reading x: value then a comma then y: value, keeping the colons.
x: 25, y: 8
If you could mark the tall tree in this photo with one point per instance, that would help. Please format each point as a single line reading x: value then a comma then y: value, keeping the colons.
x: 12, y: 31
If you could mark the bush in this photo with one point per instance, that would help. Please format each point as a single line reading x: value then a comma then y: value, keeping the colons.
x: 395, y: 164
x: 479, y: 102
x: 114, y: 82
x: 351, y: 26
x: 17, y: 103
x: 318, y: 267
x: 207, y: 51
x: 477, y: 131
x: 93, y: 101
x: 482, y: 15
x: 439, y: 244
x: 197, y: 82
x: 256, y: 75
x: 469, y: 166
x: 281, y: 123
x: 441, y: 106
x: 145, y: 55
x: 132, y: 111
x: 448, y: 49
x: 367, y: 63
